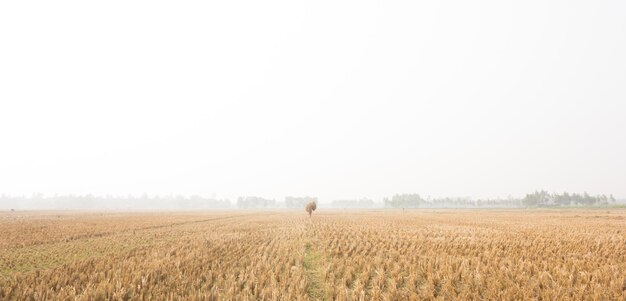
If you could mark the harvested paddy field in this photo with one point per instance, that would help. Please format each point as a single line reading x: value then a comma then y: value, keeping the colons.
x: 552, y: 254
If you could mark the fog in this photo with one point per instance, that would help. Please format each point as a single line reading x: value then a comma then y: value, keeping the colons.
x: 340, y: 101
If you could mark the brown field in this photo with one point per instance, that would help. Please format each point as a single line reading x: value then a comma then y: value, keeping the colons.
x: 336, y: 255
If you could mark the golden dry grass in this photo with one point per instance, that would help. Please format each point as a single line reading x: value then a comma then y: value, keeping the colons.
x: 336, y: 255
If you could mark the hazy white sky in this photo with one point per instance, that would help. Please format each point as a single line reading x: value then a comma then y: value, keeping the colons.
x: 336, y: 99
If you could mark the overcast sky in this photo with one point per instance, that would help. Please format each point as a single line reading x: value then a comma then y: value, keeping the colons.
x: 335, y: 99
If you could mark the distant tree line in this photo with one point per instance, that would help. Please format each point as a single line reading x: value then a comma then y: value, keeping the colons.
x: 535, y: 199
x: 408, y: 200
x: 544, y: 199
x: 90, y: 201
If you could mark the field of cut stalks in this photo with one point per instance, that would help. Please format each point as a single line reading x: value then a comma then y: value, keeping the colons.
x: 550, y: 254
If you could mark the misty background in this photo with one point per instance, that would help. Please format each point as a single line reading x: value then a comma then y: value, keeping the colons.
x: 340, y: 100
x: 537, y: 199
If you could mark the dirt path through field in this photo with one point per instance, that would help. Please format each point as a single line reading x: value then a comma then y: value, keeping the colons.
x: 312, y: 262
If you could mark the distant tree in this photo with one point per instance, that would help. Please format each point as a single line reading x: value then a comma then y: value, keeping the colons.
x: 404, y: 201
x: 603, y: 200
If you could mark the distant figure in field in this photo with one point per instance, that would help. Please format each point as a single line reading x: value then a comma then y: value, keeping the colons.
x: 310, y: 207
